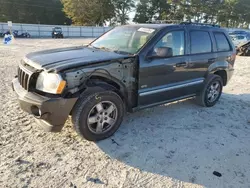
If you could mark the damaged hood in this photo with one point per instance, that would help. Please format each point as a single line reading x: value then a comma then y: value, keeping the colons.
x: 66, y: 58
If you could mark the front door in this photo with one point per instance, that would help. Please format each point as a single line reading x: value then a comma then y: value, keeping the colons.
x: 164, y: 79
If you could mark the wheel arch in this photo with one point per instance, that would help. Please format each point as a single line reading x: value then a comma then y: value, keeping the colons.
x: 101, y: 82
x: 108, y: 82
x: 220, y: 69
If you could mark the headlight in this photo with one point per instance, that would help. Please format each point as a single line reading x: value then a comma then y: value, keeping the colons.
x: 50, y: 83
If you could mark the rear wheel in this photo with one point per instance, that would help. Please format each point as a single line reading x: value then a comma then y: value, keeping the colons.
x: 211, y: 92
x: 98, y: 116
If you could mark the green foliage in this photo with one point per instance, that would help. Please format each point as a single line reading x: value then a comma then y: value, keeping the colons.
x: 230, y: 13
x: 122, y: 9
x: 32, y: 11
x: 89, y: 12
x: 144, y: 13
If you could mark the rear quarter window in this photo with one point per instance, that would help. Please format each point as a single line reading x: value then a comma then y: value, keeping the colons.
x: 200, y: 42
x: 222, y: 42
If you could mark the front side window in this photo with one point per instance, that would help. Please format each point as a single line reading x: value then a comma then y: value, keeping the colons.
x: 174, y: 40
x: 124, y: 39
x: 200, y: 42
x: 222, y: 42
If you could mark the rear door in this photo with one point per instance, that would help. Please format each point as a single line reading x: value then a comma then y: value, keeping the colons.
x: 201, y: 54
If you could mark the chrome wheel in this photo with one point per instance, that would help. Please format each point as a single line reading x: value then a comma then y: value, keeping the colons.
x: 214, y: 91
x: 102, y: 117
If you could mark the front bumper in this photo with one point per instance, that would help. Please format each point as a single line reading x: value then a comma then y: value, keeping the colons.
x: 50, y: 113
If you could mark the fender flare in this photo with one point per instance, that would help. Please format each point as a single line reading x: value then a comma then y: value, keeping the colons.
x: 96, y: 84
x: 222, y: 65
x: 103, y: 83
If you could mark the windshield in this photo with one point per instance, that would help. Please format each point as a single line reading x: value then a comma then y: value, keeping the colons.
x: 124, y: 39
x: 57, y: 29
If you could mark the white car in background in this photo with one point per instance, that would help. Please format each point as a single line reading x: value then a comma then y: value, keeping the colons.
x: 239, y: 39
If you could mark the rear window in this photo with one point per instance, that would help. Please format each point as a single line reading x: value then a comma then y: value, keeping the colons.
x: 222, y: 42
x: 200, y: 42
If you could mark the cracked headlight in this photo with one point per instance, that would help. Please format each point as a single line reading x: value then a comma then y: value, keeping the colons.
x: 50, y: 83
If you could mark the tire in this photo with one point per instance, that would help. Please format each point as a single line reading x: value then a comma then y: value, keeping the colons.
x: 86, y: 106
x: 205, y: 97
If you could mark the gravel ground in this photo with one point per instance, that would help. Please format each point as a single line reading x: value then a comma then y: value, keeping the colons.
x: 176, y: 145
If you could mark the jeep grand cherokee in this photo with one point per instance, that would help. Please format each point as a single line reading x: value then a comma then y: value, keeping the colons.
x: 127, y: 69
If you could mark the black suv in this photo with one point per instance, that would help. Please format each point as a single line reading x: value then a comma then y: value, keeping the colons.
x: 127, y: 69
x: 57, y: 32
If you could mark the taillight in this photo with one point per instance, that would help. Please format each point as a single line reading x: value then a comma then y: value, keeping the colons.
x: 233, y: 57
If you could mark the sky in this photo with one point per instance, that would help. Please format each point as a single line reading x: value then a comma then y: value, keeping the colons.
x: 131, y: 16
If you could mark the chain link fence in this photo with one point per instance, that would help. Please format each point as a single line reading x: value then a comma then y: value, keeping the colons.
x: 38, y: 30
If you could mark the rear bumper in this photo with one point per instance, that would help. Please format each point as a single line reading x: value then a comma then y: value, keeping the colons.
x: 50, y: 113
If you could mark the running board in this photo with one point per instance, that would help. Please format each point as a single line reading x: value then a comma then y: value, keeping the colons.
x: 163, y: 102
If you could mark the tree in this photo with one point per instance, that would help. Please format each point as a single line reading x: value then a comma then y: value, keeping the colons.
x: 122, y: 9
x: 210, y: 10
x: 144, y: 12
x: 160, y: 9
x: 147, y: 10
x: 228, y: 16
x: 89, y: 12
x: 32, y: 11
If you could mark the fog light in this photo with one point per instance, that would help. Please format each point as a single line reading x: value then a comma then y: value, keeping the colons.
x: 35, y: 110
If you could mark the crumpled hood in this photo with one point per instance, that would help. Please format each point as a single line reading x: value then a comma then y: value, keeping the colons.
x: 65, y: 58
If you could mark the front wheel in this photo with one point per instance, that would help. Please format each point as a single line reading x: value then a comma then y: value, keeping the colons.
x: 98, y: 116
x: 211, y: 92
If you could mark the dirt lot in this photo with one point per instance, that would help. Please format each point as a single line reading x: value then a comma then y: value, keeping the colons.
x: 177, y: 145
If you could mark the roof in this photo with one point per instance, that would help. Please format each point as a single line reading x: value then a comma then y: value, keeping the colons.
x: 153, y: 26
x: 162, y: 26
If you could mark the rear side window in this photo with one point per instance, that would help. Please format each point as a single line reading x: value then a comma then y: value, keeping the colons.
x: 222, y: 42
x: 200, y: 42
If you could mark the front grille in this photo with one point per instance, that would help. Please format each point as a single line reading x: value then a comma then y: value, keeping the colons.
x: 25, y: 74
x: 23, y: 78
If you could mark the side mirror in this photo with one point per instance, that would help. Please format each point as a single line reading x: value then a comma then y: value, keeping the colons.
x: 161, y: 52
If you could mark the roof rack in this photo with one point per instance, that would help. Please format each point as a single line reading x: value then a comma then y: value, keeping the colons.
x: 165, y: 21
x: 199, y: 24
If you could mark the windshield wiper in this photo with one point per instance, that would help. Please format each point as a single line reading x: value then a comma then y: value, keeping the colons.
x: 122, y: 52
x: 110, y: 50
x: 100, y: 48
x: 90, y: 45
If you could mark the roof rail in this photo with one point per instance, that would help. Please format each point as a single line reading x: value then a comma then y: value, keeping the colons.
x: 199, y: 24
x: 165, y: 21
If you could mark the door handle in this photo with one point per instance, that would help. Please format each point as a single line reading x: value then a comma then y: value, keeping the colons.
x: 212, y: 60
x: 182, y: 64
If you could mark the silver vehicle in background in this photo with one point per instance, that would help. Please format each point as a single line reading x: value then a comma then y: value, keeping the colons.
x: 239, y: 37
